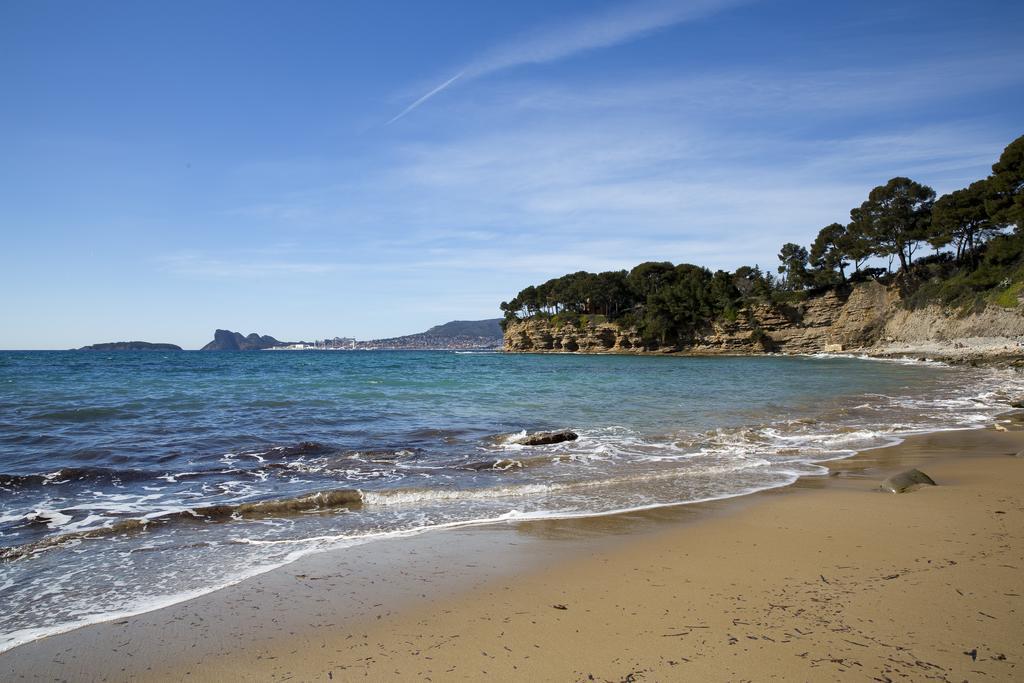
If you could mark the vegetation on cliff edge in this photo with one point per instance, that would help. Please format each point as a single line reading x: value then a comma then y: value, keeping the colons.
x: 976, y: 259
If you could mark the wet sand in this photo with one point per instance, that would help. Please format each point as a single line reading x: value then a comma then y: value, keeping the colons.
x: 826, y: 579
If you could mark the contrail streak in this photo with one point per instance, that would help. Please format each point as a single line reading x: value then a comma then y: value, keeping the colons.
x: 426, y: 97
x: 614, y: 27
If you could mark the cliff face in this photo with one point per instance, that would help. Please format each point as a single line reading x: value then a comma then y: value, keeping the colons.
x: 865, y: 319
x: 541, y: 336
x: 830, y: 322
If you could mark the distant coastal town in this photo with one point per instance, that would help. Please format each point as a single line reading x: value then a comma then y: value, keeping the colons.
x: 457, y: 335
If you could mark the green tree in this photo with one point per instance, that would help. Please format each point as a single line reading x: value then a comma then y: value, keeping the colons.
x: 961, y: 218
x: 648, y: 277
x: 899, y: 213
x: 753, y: 284
x: 1005, y: 199
x: 828, y: 251
x: 725, y: 296
x: 793, y: 259
x: 857, y: 241
x: 657, y: 323
x: 611, y: 293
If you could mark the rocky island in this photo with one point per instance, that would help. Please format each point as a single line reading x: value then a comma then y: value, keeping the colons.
x: 130, y: 346
x: 226, y: 340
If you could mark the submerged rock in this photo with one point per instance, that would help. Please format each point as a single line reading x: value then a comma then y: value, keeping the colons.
x: 501, y: 464
x: 545, y: 438
x: 906, y: 481
x: 321, y: 500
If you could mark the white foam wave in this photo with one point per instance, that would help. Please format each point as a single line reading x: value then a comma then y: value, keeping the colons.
x: 899, y: 360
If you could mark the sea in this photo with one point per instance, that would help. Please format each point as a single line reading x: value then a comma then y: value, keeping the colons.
x: 133, y: 480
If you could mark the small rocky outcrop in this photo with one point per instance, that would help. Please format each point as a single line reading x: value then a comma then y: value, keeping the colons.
x: 546, y: 438
x: 131, y: 346
x: 906, y: 481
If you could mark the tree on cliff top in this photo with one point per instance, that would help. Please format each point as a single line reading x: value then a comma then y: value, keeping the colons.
x: 961, y: 218
x: 1005, y: 200
x: 828, y: 253
x: 857, y: 240
x: 793, y: 258
x: 899, y: 215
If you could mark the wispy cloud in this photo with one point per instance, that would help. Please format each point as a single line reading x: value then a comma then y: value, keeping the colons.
x: 242, y: 265
x: 675, y: 172
x: 765, y: 91
x: 613, y: 27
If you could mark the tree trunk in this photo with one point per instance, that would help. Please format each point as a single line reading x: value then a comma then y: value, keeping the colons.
x: 903, y: 260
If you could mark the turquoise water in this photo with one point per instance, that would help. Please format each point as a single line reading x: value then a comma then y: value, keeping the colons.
x: 124, y: 476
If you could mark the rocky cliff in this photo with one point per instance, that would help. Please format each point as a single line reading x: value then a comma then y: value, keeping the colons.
x: 868, y: 318
x: 226, y: 340
x: 538, y: 335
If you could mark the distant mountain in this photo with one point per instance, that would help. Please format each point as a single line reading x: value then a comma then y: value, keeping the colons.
x: 130, y: 346
x: 455, y: 335
x: 467, y: 328
x: 226, y: 340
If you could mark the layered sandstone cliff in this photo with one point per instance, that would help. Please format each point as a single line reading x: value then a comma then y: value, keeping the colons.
x: 869, y: 318
x: 541, y: 336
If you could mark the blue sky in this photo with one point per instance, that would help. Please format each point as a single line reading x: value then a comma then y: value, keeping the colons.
x: 371, y: 169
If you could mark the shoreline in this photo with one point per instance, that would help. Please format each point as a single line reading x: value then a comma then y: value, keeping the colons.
x: 383, y: 574
x: 1004, y: 352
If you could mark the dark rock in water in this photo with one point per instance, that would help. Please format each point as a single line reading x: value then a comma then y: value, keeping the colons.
x: 226, y: 340
x: 321, y: 500
x: 501, y: 465
x: 545, y: 438
x: 906, y: 481
x: 131, y: 346
x: 301, y: 448
x: 1017, y: 402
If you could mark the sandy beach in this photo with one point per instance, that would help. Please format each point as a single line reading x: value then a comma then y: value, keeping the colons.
x: 827, y: 579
